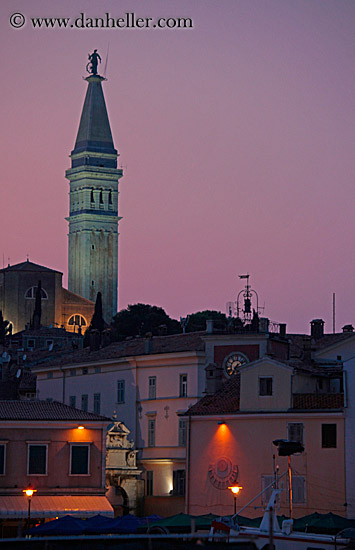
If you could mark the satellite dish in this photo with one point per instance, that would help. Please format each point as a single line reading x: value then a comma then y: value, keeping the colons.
x: 18, y: 374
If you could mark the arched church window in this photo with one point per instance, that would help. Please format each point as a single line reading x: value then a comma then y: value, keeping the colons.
x: 92, y: 198
x: 77, y: 320
x: 101, y: 197
x: 31, y: 293
x: 110, y: 197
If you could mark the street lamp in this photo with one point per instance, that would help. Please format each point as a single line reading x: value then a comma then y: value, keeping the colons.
x: 29, y: 494
x: 235, y: 490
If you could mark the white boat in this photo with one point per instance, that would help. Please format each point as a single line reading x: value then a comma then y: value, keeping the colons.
x: 269, y: 533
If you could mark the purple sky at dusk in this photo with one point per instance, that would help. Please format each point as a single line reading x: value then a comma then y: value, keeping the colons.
x: 236, y: 137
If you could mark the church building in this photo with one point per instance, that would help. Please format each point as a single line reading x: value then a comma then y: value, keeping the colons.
x: 93, y: 206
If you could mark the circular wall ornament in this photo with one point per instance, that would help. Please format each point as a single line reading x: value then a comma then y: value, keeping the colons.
x: 233, y: 361
x: 223, y: 473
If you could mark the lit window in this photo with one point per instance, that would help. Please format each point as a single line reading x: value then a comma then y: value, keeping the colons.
x: 79, y: 460
x: 37, y: 459
x: 182, y: 432
x: 183, y: 385
x: 329, y: 436
x: 265, y: 385
x: 152, y: 387
x: 77, y: 320
x: 31, y: 293
x: 151, y: 432
x: 120, y: 391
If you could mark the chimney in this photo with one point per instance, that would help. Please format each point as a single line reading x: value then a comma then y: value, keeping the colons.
x: 214, y: 378
x: 209, y: 326
x: 317, y: 328
x: 283, y: 330
x: 148, y: 343
x: 308, y: 348
x: 347, y: 328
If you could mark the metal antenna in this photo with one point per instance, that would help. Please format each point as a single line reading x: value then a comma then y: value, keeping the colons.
x: 106, y: 62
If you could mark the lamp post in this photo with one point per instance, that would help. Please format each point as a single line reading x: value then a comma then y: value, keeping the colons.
x: 29, y: 494
x: 235, y: 490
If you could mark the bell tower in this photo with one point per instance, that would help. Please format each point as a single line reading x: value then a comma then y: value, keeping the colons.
x: 93, y: 203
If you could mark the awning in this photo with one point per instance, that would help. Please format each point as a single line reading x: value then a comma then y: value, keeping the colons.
x: 55, y: 506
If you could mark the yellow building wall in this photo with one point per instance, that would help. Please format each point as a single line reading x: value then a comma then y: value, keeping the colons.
x: 250, y: 400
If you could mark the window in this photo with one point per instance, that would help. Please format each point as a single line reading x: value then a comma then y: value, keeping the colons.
x: 72, y: 401
x: 97, y: 370
x: 84, y: 402
x: 152, y: 387
x: 265, y: 386
x: 149, y: 483
x: 2, y: 459
x: 266, y: 480
x: 31, y: 344
x: 79, y: 460
x: 120, y: 391
x: 31, y: 293
x: 92, y: 198
x: 329, y: 436
x: 110, y: 197
x: 182, y: 432
x: 37, y: 459
x: 183, y: 385
x: 179, y: 482
x: 77, y: 320
x: 151, y: 432
x: 101, y: 198
x: 85, y: 370
x: 295, y: 431
x: 49, y: 374
x: 298, y: 489
x: 72, y: 372
x: 97, y: 403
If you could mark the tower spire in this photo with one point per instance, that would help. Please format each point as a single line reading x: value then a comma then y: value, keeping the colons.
x: 93, y: 210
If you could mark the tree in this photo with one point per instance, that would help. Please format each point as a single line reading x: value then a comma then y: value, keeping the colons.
x: 97, y: 321
x: 140, y: 319
x: 197, y: 321
x: 5, y: 328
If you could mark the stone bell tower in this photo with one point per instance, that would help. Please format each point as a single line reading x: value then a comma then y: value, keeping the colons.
x: 93, y: 203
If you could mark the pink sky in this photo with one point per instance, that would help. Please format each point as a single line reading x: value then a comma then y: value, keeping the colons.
x: 237, y: 138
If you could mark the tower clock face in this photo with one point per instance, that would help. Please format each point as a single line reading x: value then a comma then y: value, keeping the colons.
x: 233, y: 362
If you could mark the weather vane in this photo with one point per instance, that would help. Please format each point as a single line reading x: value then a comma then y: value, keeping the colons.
x: 94, y: 59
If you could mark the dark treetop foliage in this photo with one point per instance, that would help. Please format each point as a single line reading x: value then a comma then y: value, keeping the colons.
x: 5, y: 328
x: 140, y: 319
x: 197, y: 321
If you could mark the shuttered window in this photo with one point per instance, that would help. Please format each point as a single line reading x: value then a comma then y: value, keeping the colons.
x: 37, y: 460
x: 79, y: 459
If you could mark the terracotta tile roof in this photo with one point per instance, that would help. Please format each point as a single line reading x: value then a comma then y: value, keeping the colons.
x: 159, y: 344
x: 44, y: 410
x: 224, y: 401
x: 306, y: 401
x: 296, y: 342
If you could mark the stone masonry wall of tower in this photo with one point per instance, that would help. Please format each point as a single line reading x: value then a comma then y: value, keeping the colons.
x: 93, y: 204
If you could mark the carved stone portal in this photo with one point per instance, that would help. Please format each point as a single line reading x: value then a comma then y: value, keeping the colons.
x: 125, y: 491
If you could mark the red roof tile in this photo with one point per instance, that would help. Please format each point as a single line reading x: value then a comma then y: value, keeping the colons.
x: 306, y: 401
x: 224, y: 401
x: 44, y: 410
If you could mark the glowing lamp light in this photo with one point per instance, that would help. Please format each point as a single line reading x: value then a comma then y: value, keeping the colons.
x: 29, y: 491
x: 235, y: 489
x: 81, y: 428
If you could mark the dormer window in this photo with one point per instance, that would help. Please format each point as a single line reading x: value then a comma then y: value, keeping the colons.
x: 265, y: 385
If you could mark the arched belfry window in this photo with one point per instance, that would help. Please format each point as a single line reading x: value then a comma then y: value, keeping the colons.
x: 77, y: 320
x: 92, y: 198
x: 101, y: 197
x: 31, y: 293
x: 110, y: 197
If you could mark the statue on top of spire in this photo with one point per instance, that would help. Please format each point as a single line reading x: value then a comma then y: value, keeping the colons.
x: 94, y: 58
